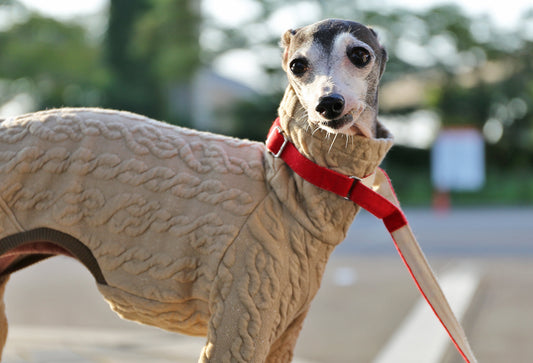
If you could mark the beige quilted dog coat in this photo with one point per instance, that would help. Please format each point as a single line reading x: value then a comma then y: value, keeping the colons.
x: 188, y: 231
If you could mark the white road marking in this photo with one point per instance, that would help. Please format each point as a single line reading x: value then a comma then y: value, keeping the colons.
x: 345, y: 276
x: 421, y: 338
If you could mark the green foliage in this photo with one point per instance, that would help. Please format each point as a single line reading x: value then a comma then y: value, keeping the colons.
x: 255, y: 116
x: 152, y: 46
x: 168, y: 34
x: 132, y: 84
x: 149, y: 47
x: 455, y: 103
x: 51, y: 61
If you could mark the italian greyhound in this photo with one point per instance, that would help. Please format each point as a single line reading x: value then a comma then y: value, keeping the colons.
x: 194, y: 232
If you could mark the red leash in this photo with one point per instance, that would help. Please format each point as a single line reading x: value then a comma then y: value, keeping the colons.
x: 351, y: 188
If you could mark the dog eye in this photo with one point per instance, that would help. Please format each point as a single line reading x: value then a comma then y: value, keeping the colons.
x: 359, y: 56
x: 299, y: 66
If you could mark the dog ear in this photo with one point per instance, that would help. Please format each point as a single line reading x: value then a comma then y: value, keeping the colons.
x: 384, y: 59
x: 384, y: 55
x: 285, y: 43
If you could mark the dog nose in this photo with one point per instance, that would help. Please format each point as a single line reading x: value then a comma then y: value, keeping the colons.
x: 330, y: 106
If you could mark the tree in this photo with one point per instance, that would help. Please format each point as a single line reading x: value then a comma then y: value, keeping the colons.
x: 168, y: 35
x: 133, y: 85
x: 52, y: 62
x: 152, y: 47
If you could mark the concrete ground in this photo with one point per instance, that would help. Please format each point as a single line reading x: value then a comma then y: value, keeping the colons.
x: 57, y: 315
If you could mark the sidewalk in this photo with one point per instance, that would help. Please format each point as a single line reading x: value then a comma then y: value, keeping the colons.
x: 57, y: 316
x: 80, y: 345
x: 85, y: 345
x: 362, y: 303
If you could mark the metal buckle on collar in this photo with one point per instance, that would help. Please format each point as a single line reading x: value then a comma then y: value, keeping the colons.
x: 355, y: 180
x: 285, y: 142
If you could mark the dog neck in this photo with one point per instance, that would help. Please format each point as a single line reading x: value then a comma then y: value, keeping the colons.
x: 350, y: 155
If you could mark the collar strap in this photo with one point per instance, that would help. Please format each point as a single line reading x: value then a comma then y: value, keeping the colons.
x: 348, y: 187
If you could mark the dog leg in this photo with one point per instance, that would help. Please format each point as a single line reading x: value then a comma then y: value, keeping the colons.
x: 240, y: 336
x: 283, y: 349
x: 244, y: 303
x: 3, y: 318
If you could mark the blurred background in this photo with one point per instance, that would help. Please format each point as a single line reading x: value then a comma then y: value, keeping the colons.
x: 215, y: 65
x: 457, y: 94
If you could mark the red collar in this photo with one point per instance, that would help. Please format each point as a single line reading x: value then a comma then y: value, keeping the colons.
x: 348, y: 187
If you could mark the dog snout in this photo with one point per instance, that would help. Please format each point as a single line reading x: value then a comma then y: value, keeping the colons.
x: 330, y: 107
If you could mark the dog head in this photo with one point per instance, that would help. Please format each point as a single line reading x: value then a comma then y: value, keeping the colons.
x: 334, y: 66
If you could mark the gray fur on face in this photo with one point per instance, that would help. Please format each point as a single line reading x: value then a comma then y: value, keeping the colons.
x: 324, y: 32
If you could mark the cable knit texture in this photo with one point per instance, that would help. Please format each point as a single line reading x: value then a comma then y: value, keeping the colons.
x: 193, y: 232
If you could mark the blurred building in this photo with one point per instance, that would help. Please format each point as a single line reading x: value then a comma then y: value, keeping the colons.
x: 207, y: 99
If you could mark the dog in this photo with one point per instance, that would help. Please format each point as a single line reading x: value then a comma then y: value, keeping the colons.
x: 193, y: 232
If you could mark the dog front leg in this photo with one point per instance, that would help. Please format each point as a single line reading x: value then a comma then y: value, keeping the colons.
x: 244, y: 308
x: 238, y: 333
x: 283, y: 348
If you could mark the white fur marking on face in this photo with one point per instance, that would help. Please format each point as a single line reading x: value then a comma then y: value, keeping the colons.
x: 349, y: 80
x: 305, y: 85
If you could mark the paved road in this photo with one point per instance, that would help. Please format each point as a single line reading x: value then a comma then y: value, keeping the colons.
x: 58, y: 316
x: 476, y: 232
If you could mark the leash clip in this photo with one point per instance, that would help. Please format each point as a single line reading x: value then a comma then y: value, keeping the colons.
x: 285, y: 142
x: 355, y: 180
